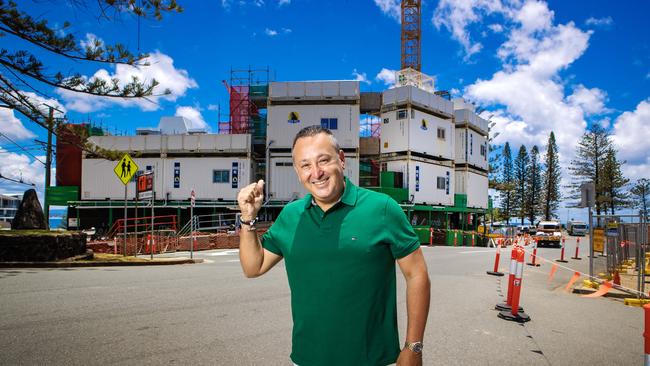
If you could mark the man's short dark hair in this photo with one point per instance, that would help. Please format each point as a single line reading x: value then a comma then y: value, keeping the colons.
x: 314, y: 130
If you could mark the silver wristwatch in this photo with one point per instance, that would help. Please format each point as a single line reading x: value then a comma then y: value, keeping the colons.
x: 416, y: 347
x: 250, y: 224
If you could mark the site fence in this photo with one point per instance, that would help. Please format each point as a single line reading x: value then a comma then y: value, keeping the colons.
x: 619, y: 251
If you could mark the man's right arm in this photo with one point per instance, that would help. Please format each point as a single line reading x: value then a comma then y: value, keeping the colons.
x: 254, y: 259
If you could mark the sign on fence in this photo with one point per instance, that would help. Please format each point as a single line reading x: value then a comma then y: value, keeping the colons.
x: 599, y: 240
x: 145, y: 185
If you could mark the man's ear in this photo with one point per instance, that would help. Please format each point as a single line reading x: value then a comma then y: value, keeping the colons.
x: 342, y: 158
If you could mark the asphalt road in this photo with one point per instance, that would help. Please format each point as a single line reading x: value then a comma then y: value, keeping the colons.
x: 209, y: 314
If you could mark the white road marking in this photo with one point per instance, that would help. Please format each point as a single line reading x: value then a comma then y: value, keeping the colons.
x: 227, y: 252
x: 233, y: 260
x: 476, y: 251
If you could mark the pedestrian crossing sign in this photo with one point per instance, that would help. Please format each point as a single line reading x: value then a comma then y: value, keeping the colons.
x: 125, y: 169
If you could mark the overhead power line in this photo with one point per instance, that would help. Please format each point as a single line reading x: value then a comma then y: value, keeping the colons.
x: 17, y: 181
x: 22, y: 148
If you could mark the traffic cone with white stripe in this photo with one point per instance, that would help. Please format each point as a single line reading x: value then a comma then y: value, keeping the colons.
x: 511, y: 278
x: 515, y: 314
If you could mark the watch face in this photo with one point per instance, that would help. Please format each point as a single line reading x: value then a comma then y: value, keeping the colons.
x: 416, y: 347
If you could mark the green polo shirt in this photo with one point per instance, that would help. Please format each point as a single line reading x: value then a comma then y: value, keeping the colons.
x: 341, y: 271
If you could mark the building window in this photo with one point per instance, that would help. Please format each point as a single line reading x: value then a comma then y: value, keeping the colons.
x: 412, y: 113
x: 221, y: 176
x: 329, y: 123
x: 284, y: 163
x: 402, y: 114
x: 386, y: 120
x: 440, y: 183
x: 483, y: 150
x: 441, y: 133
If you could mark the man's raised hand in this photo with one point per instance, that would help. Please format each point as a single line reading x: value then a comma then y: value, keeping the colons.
x: 250, y: 200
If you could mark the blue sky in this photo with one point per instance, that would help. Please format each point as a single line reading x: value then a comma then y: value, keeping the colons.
x: 534, y: 66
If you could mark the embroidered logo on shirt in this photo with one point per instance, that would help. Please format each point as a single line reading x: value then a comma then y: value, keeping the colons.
x: 354, y: 238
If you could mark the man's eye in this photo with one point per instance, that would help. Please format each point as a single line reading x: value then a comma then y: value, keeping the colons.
x: 323, y: 161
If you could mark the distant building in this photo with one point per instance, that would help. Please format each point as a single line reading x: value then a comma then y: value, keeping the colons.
x: 8, y: 206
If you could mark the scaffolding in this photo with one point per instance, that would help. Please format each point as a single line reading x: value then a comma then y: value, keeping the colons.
x: 248, y: 92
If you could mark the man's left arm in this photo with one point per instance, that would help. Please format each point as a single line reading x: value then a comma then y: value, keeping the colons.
x: 418, y: 287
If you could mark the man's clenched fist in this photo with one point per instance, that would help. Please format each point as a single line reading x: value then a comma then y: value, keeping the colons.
x: 250, y: 200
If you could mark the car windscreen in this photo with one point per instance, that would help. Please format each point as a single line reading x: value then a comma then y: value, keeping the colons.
x: 550, y: 227
x: 579, y: 226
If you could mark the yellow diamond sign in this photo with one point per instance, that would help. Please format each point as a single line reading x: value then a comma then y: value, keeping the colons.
x: 125, y: 169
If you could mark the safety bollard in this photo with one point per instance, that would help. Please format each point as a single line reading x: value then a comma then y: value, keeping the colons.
x: 148, y: 247
x: 430, y: 236
x: 496, y: 272
x: 511, y: 278
x: 646, y: 334
x: 533, y: 257
x: 562, y: 252
x: 115, y: 246
x: 515, y: 314
x: 455, y: 238
x: 472, y: 240
x: 577, y: 250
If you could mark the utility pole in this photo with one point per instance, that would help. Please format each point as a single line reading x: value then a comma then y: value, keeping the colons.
x: 48, y: 163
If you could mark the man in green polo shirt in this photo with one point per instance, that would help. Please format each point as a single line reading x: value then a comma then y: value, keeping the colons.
x: 340, y: 243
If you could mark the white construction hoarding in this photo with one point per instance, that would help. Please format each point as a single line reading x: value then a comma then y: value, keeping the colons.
x: 474, y: 184
x: 211, y: 178
x: 427, y: 182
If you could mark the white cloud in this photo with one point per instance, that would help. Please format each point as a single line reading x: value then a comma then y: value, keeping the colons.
x: 161, y: 67
x: 527, y: 96
x: 213, y: 107
x: 392, y: 8
x: 631, y: 136
x: 360, y: 77
x: 456, y: 16
x: 91, y: 41
x: 21, y: 167
x: 271, y: 32
x: 12, y: 127
x: 387, y: 76
x: 193, y: 115
x: 286, y: 30
x: 284, y: 2
x: 600, y: 22
x: 496, y: 28
x: 592, y: 101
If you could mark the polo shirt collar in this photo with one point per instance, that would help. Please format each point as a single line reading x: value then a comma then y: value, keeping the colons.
x: 349, y: 196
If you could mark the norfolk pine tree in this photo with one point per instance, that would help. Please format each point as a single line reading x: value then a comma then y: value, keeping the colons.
x: 520, y: 174
x: 506, y: 183
x: 551, y: 180
x: 588, y: 163
x: 613, y: 183
x: 24, y: 71
x: 640, y: 193
x: 533, y: 186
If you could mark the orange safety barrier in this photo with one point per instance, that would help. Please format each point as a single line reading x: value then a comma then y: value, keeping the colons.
x: 533, y: 257
x: 511, y: 279
x: 646, y: 333
x: 515, y: 314
x: 573, y: 280
x: 577, y: 256
x: 495, y: 271
x: 602, y: 290
x: 552, y: 273
x: 562, y: 260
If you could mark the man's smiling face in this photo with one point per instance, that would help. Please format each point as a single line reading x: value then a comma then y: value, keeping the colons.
x: 320, y: 168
